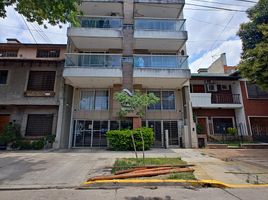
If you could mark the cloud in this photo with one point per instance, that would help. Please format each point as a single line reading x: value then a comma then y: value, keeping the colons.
x: 13, y: 26
x: 207, y: 30
x: 232, y: 48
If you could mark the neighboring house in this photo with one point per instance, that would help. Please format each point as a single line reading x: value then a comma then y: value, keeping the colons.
x: 256, y: 110
x: 222, y: 99
x: 131, y: 45
x: 31, y: 85
x: 217, y: 105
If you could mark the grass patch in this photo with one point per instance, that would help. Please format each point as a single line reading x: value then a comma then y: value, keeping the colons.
x: 126, y: 163
x: 183, y: 175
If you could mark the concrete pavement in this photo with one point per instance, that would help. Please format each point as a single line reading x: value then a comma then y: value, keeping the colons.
x: 231, y: 171
x: 161, y: 193
x: 61, y: 168
x: 70, y: 168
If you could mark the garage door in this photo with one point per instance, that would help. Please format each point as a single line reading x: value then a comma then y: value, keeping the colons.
x: 259, y: 128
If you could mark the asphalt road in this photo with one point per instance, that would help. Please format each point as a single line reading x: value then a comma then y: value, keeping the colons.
x: 162, y: 193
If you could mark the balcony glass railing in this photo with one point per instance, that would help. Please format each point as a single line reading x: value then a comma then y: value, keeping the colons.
x: 90, y: 22
x: 88, y: 60
x: 159, y: 24
x: 160, y: 61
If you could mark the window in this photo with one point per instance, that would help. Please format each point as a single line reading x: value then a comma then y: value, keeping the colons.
x: 48, y: 53
x: 3, y: 77
x: 224, y: 87
x: 255, y: 92
x: 41, y: 81
x: 39, y: 124
x: 8, y: 53
x: 221, y: 125
x: 167, y: 100
x: 94, y: 100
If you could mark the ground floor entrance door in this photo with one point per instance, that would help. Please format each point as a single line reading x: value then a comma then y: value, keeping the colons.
x: 4, y: 120
x: 173, y: 134
x: 202, y: 127
x: 158, y: 136
x: 90, y: 133
x: 259, y: 128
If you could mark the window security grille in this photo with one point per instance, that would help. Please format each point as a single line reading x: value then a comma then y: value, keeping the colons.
x: 39, y: 124
x: 41, y: 81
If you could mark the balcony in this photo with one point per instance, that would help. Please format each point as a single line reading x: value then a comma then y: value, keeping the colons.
x: 171, y: 69
x: 97, y: 33
x: 85, y: 70
x: 209, y: 100
x: 159, y: 34
x: 153, y: 8
x: 102, y: 8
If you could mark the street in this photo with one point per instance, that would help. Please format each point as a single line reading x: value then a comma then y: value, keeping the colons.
x: 57, y: 174
x: 162, y: 193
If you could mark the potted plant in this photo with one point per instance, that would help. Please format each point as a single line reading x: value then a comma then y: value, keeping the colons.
x: 231, y: 131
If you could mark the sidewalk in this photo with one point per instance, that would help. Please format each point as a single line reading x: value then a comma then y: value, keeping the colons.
x: 210, y: 168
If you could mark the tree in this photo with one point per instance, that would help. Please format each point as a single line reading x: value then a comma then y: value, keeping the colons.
x: 254, y: 36
x: 135, y: 103
x: 53, y: 12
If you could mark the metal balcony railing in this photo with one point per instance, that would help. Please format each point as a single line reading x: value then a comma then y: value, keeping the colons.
x: 225, y: 98
x: 105, y: 22
x: 88, y: 60
x: 159, y: 24
x: 160, y: 61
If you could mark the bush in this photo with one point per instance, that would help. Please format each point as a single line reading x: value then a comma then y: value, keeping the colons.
x: 22, y: 145
x: 10, y: 133
x: 38, y: 144
x: 121, y: 140
x: 29, y: 145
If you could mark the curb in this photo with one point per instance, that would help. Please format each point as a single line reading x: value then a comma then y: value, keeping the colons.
x: 204, y: 183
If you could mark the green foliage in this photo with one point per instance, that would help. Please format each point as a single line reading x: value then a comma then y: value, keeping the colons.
x: 53, y: 12
x: 231, y: 131
x: 50, y: 139
x: 9, y: 134
x: 199, y: 128
x: 136, y: 103
x: 120, y: 140
x: 254, y: 36
x: 127, y: 163
x: 38, y: 144
x: 182, y: 176
x: 22, y: 144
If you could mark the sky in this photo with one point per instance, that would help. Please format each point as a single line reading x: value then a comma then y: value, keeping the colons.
x: 211, y: 32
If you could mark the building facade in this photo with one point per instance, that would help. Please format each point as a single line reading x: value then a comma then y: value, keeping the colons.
x: 255, y: 103
x: 221, y: 99
x: 31, y: 85
x: 134, y: 45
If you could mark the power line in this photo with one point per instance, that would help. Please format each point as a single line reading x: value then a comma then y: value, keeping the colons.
x: 210, y: 49
x: 220, y: 3
x: 248, y: 1
x: 202, y: 6
x: 215, y: 7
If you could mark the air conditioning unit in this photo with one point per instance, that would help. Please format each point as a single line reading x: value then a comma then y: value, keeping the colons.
x: 212, y: 87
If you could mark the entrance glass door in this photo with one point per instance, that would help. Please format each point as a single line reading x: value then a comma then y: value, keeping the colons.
x: 158, y: 137
x: 90, y: 133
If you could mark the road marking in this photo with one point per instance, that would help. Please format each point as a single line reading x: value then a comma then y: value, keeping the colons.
x: 212, y: 183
